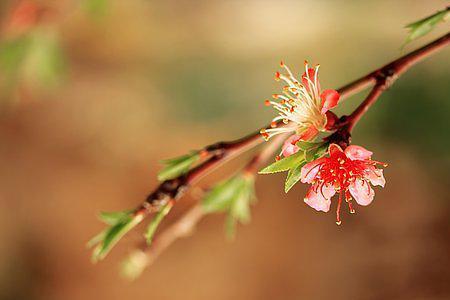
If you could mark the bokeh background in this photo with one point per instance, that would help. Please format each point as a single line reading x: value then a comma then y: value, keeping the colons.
x: 95, y: 92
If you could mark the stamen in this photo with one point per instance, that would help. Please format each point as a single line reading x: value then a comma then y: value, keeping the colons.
x: 277, y: 76
x: 338, y: 210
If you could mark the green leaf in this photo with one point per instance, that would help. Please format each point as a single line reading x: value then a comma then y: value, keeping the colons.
x: 219, y: 199
x: 234, y: 196
x: 110, y: 236
x: 308, y: 145
x: 284, y: 164
x: 178, y: 166
x: 425, y: 25
x: 240, y: 208
x: 293, y: 177
x: 114, y: 217
x: 96, y: 239
x: 153, y: 225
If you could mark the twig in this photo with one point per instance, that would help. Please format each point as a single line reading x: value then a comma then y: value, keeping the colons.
x: 185, y: 225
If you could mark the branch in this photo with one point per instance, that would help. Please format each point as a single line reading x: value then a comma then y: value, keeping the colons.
x: 382, y: 79
x: 395, y: 68
x: 219, y: 153
x: 184, y: 226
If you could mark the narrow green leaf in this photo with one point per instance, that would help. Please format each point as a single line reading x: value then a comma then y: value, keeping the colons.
x: 293, y: 177
x: 230, y: 227
x: 114, y: 217
x: 178, y: 166
x: 284, y: 164
x: 234, y: 196
x: 113, y: 235
x: 422, y: 27
x: 240, y: 209
x: 308, y: 145
x: 220, y: 198
x: 96, y: 239
x: 153, y: 225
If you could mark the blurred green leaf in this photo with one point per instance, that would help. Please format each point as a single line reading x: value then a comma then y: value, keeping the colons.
x: 284, y: 164
x: 154, y: 223
x: 219, y: 198
x: 177, y: 166
x: 425, y: 25
x: 12, y: 54
x: 44, y: 63
x: 234, y: 196
x: 96, y: 8
x: 110, y: 236
x: 114, y: 217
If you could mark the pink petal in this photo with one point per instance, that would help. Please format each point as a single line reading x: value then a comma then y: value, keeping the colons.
x: 310, y: 170
x: 289, y: 146
x: 357, y: 153
x: 376, y: 177
x: 362, y: 192
x: 335, y: 150
x: 317, y: 201
x: 311, y: 74
x: 330, y: 99
x: 328, y: 191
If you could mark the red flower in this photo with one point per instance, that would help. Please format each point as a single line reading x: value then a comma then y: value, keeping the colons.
x: 348, y: 173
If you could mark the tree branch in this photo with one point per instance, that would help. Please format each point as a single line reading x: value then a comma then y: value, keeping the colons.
x: 217, y: 154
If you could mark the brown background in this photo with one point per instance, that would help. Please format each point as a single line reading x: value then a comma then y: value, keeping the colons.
x: 150, y: 80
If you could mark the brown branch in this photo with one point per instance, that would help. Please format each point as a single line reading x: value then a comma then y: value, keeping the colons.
x: 221, y: 152
x: 395, y: 68
x: 185, y: 225
x: 382, y: 79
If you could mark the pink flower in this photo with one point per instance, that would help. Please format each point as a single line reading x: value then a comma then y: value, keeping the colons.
x: 302, y: 105
x: 348, y: 173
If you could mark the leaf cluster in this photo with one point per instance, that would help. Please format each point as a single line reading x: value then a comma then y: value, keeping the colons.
x: 234, y: 196
x: 293, y: 164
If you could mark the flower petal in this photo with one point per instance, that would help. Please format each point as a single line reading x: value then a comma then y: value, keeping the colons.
x: 317, y: 201
x: 310, y: 75
x: 355, y: 152
x: 334, y: 150
x: 310, y: 170
x: 327, y: 191
x: 362, y: 192
x: 376, y: 177
x: 289, y: 146
x: 330, y: 99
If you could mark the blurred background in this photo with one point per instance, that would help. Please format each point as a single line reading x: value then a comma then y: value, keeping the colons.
x: 93, y: 93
